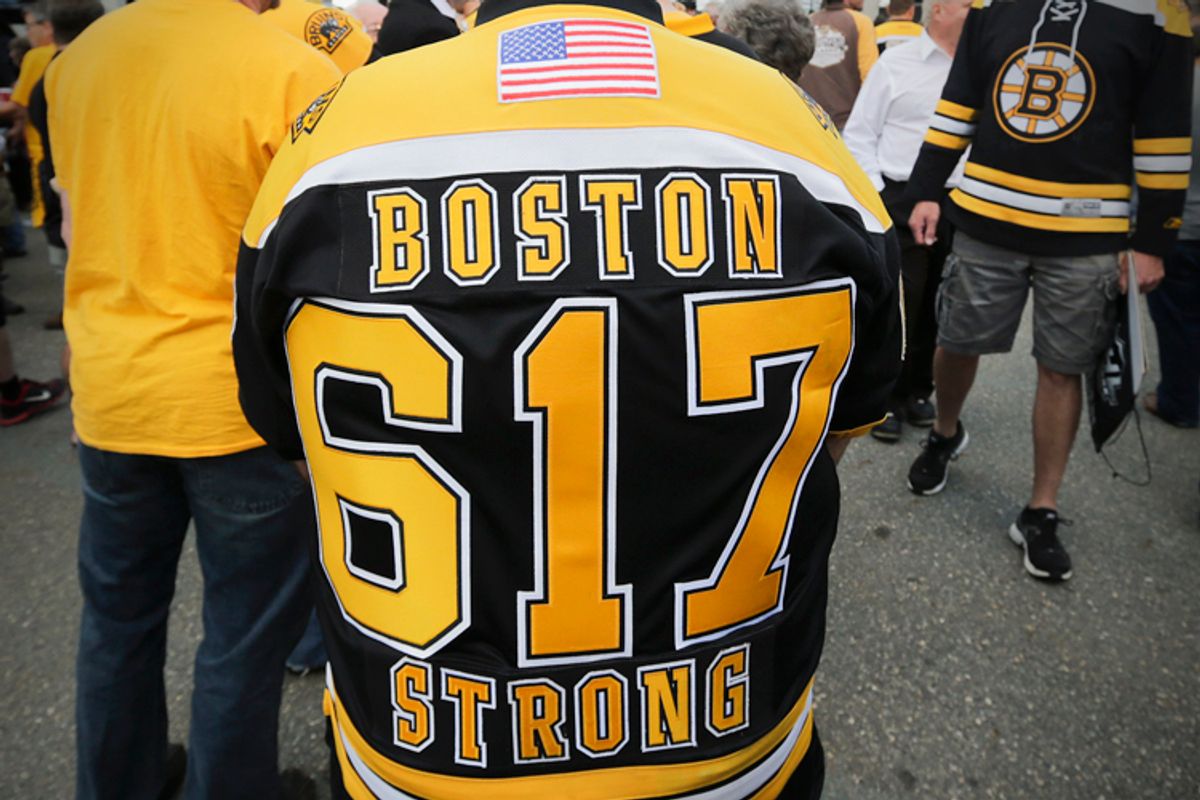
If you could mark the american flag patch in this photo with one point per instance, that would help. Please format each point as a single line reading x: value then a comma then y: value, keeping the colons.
x: 577, y: 58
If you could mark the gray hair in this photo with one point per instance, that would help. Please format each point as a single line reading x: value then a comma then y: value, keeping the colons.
x: 777, y: 30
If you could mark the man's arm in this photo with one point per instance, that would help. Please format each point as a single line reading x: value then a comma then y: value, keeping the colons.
x: 1162, y: 149
x: 863, y: 394
x: 950, y: 131
x: 865, y: 126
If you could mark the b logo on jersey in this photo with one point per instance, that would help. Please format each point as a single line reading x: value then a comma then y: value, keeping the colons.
x: 326, y: 29
x: 312, y: 115
x: 1042, y: 94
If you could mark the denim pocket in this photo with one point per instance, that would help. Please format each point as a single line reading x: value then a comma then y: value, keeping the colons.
x: 251, y: 482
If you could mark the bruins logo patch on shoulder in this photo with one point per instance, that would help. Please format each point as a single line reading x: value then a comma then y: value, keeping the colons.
x: 822, y: 116
x: 306, y: 122
x: 327, y: 29
x: 1042, y: 94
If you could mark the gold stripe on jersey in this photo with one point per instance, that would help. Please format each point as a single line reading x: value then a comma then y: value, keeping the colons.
x: 659, y: 780
x: 1162, y: 180
x: 1045, y: 222
x: 1170, y: 146
x: 955, y: 111
x: 947, y: 140
x: 1103, y: 191
x: 687, y: 24
x: 861, y: 430
x: 352, y: 121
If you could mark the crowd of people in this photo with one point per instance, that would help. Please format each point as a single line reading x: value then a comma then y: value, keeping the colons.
x: 567, y: 309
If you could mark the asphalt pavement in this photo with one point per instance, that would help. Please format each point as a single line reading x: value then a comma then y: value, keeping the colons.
x: 947, y: 673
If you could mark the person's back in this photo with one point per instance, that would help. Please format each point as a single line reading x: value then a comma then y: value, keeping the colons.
x: 900, y: 26
x: 845, y: 51
x: 563, y: 354
x: 161, y: 137
x: 149, y: 293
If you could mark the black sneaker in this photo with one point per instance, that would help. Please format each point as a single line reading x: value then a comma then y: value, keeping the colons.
x: 33, y: 398
x: 919, y: 412
x: 927, y: 475
x: 888, y: 430
x: 1035, y: 532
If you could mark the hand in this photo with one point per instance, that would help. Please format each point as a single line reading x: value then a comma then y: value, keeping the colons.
x: 924, y: 221
x: 1147, y: 268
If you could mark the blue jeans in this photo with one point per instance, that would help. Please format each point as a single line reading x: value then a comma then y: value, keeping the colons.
x: 254, y: 521
x: 1175, y: 309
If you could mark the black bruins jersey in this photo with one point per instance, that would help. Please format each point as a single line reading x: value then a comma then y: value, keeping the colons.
x: 561, y: 341
x: 1065, y: 104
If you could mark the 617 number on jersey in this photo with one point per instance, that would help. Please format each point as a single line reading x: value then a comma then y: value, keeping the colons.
x: 564, y: 387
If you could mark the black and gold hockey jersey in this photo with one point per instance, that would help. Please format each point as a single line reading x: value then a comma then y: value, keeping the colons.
x: 561, y: 341
x: 1063, y: 103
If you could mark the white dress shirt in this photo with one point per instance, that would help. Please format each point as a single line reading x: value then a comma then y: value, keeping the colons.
x: 894, y: 107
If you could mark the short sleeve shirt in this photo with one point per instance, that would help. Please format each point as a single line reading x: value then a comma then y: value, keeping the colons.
x: 160, y: 167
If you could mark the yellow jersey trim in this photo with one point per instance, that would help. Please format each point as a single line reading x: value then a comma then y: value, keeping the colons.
x: 947, y: 140
x: 1044, y: 222
x: 596, y: 784
x: 861, y: 430
x: 351, y: 122
x: 688, y: 25
x: 1103, y: 191
x: 898, y: 27
x: 1176, y: 146
x: 955, y: 111
x: 1162, y: 180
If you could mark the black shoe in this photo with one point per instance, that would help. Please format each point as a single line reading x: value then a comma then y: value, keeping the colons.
x: 11, y: 308
x: 173, y: 770
x: 1036, y: 532
x: 888, y: 430
x: 297, y: 785
x: 919, y: 412
x: 927, y: 475
x: 34, y: 397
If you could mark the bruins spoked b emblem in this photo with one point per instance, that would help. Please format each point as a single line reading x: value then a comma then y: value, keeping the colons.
x: 1043, y: 94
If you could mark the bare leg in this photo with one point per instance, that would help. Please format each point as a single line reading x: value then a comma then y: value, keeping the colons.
x: 953, y: 375
x: 1056, y: 410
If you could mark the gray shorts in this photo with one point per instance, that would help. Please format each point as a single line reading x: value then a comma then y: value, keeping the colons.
x: 983, y: 293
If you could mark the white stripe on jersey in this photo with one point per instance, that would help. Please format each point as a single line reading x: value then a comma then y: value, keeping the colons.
x: 539, y: 151
x: 1162, y: 163
x: 1031, y: 202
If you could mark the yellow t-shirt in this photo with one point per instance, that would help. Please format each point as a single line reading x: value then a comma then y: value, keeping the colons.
x: 327, y: 30
x: 161, y: 138
x: 33, y: 67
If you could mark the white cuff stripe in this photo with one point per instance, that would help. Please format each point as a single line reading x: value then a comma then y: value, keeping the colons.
x: 953, y: 126
x: 1162, y: 163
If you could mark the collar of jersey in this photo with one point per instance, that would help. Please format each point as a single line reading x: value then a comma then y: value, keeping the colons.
x: 493, y: 9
